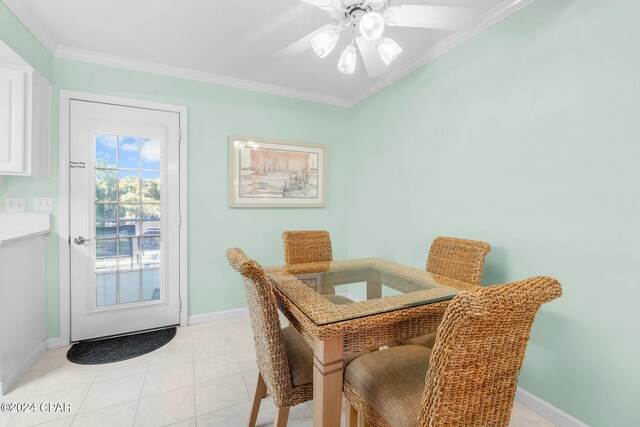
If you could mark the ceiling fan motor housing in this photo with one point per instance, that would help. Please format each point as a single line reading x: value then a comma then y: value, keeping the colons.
x: 352, y: 10
x: 355, y: 15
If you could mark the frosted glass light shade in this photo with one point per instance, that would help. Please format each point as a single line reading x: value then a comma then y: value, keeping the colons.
x: 388, y: 50
x: 324, y: 42
x: 371, y: 25
x: 348, y: 59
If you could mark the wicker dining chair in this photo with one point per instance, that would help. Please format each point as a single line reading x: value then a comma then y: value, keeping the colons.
x: 458, y: 259
x: 470, y: 376
x: 285, y: 360
x: 305, y: 246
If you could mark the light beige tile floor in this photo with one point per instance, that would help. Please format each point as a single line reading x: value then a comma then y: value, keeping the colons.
x: 204, y: 377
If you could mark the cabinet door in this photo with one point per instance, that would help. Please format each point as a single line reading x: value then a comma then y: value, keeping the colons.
x: 12, y: 116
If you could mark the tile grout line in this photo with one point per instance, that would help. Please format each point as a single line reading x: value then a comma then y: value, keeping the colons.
x: 226, y: 407
x: 85, y: 396
x: 146, y: 371
x: 93, y: 410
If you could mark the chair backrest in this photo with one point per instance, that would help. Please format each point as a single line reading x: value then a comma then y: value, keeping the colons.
x: 478, y: 353
x: 458, y: 259
x: 307, y: 246
x: 271, y: 356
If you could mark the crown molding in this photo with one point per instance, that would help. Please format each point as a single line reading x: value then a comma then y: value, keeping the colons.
x: 493, y: 17
x: 17, y: 7
x: 189, y: 74
x: 499, y: 13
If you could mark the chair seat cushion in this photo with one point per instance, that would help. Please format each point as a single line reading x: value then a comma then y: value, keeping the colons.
x: 391, y: 381
x: 299, y: 355
x: 427, y: 340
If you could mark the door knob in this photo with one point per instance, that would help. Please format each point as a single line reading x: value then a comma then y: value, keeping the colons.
x: 80, y: 240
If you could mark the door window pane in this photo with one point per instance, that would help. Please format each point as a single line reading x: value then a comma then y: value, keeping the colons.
x: 151, y: 154
x: 129, y: 186
x: 150, y: 212
x: 151, y: 187
x: 129, y: 287
x: 105, y: 215
x: 106, y: 252
x: 127, y: 253
x: 106, y: 185
x: 151, y: 284
x: 106, y: 151
x: 129, y: 153
x: 106, y: 289
x: 128, y: 220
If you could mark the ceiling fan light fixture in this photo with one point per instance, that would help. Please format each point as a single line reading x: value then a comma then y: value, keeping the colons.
x: 324, y: 42
x: 371, y: 25
x: 389, y: 50
x: 348, y: 60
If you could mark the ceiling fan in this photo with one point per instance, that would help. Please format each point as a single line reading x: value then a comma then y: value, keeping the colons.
x: 366, y: 21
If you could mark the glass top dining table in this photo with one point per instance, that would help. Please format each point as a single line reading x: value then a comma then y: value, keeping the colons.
x: 330, y: 292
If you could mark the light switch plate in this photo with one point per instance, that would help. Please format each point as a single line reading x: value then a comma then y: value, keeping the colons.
x: 14, y: 204
x: 43, y: 204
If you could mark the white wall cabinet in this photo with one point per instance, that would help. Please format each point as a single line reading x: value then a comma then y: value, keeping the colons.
x: 25, y: 121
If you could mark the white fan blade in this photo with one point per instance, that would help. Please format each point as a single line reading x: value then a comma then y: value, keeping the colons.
x: 438, y: 17
x: 372, y: 61
x: 319, y: 3
x: 296, y: 48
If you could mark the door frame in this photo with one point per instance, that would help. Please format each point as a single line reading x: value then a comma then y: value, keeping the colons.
x: 64, y: 244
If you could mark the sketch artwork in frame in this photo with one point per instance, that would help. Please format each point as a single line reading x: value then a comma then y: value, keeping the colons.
x: 267, y: 173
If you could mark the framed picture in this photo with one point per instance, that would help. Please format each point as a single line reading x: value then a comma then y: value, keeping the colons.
x: 266, y: 173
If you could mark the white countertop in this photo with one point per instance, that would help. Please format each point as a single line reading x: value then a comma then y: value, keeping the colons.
x: 17, y: 226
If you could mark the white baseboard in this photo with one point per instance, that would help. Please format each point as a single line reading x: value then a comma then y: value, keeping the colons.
x: 54, y: 342
x: 17, y: 373
x: 218, y: 315
x: 547, y: 410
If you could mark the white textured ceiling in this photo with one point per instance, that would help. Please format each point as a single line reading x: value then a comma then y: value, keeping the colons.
x: 231, y: 41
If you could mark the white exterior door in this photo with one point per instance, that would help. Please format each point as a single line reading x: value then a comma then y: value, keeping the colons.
x: 124, y: 219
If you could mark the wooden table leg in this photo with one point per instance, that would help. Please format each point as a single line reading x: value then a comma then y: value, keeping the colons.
x: 327, y: 382
x: 351, y: 419
x: 374, y: 289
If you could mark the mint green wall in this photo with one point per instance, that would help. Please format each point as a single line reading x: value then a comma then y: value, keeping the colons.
x: 526, y: 137
x: 18, y: 38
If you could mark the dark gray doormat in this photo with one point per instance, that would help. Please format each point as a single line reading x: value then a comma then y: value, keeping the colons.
x: 116, y: 349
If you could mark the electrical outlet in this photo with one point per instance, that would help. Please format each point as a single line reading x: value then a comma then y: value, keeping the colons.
x: 14, y: 204
x: 43, y: 204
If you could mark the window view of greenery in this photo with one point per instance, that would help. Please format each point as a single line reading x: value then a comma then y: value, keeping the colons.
x: 128, y: 214
x: 123, y: 194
